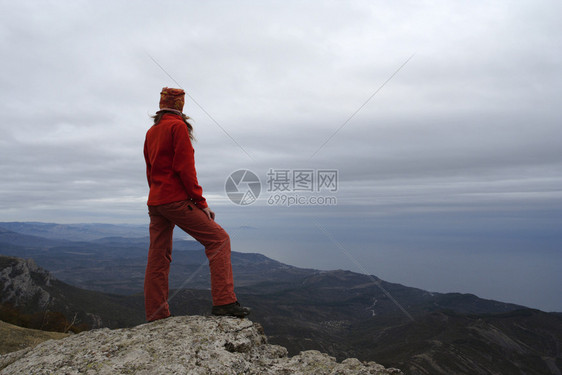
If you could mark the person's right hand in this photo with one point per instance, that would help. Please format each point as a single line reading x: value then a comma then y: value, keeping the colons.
x: 210, y: 214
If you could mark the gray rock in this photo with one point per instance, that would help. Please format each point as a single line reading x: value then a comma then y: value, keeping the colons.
x: 19, y: 286
x: 178, y: 345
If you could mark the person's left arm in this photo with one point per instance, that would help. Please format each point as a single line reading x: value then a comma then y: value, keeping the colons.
x: 184, y: 164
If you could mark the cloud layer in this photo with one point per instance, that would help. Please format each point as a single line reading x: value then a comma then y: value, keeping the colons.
x: 469, y: 126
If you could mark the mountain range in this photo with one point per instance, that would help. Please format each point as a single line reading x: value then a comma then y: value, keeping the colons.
x: 98, y: 282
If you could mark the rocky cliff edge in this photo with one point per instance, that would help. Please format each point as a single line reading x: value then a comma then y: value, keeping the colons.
x: 177, y: 345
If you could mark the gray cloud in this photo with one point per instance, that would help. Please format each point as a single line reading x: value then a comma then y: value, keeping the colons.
x: 469, y: 128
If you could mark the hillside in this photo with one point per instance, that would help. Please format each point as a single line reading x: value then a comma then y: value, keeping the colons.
x: 519, y: 342
x: 179, y: 345
x: 16, y: 338
x: 32, y: 297
x: 341, y: 313
x: 363, y: 323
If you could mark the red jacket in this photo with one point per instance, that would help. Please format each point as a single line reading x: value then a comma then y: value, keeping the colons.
x: 170, y: 163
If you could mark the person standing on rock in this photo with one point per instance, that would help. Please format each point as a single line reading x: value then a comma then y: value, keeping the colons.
x: 175, y: 198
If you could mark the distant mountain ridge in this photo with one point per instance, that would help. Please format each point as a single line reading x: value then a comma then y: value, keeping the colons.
x: 27, y: 240
x: 75, y: 232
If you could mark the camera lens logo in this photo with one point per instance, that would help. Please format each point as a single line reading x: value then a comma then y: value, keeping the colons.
x: 243, y: 187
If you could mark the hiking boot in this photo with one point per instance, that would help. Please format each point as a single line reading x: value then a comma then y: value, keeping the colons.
x: 232, y: 309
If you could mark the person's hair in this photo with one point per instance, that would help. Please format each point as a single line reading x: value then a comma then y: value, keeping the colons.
x: 158, y: 116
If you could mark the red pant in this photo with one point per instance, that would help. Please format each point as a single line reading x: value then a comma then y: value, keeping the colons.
x: 194, y: 222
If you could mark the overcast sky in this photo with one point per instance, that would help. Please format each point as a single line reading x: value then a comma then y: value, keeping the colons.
x: 449, y: 177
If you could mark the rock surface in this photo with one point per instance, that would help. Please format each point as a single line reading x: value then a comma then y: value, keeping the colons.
x: 20, y: 285
x: 178, y: 345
